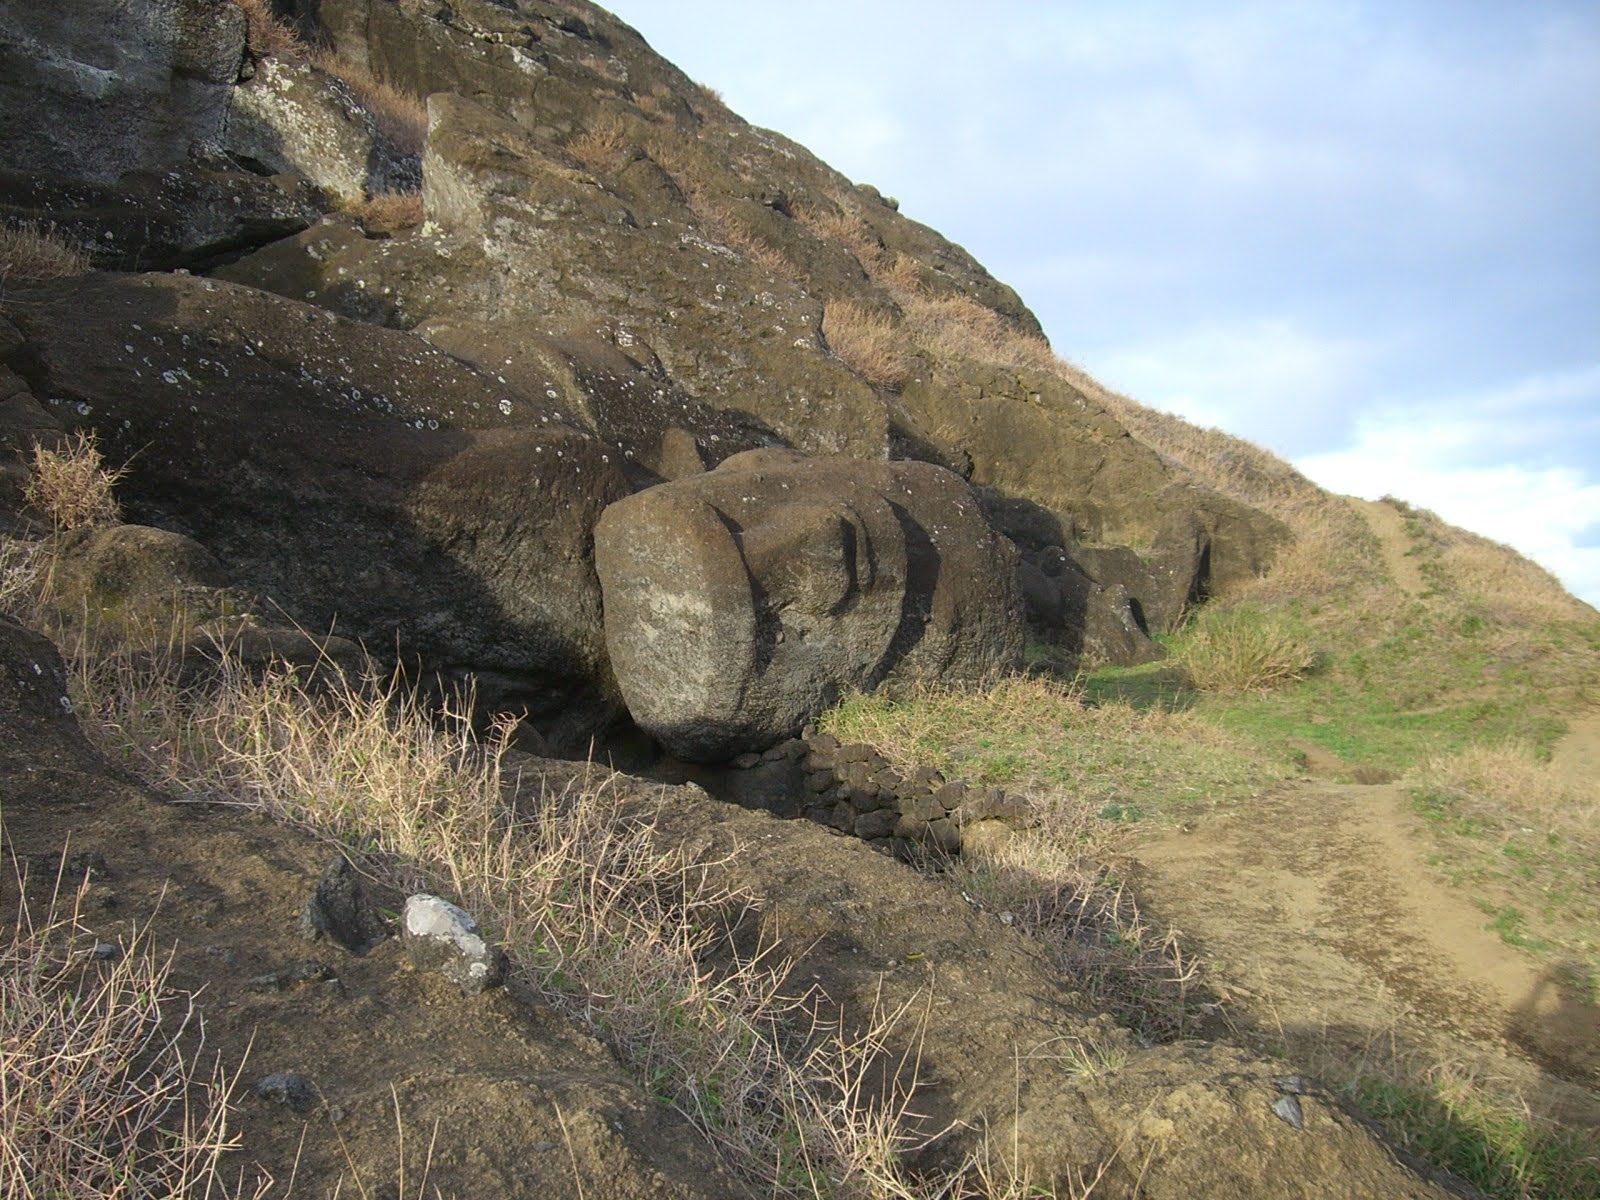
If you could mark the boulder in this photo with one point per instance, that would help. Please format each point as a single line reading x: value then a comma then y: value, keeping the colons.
x: 741, y: 602
x: 93, y: 89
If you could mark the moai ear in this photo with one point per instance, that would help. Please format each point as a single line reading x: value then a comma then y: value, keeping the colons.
x: 814, y: 558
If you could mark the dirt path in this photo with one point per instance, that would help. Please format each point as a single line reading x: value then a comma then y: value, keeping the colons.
x: 1388, y: 526
x: 1577, y: 756
x: 1325, y: 926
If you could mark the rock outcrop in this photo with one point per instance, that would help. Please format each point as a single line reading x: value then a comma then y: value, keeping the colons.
x: 741, y: 602
x: 365, y: 481
x: 92, y: 90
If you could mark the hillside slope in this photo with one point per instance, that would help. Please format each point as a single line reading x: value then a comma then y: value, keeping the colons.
x: 403, y: 403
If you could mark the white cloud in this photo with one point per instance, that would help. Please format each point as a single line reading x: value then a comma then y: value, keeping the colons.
x: 1547, y: 513
x: 1268, y: 380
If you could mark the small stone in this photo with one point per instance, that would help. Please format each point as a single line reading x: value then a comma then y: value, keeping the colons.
x: 228, y: 957
x: 855, y: 752
x: 442, y: 936
x: 794, y: 749
x: 1288, y: 1109
x: 819, y: 781
x: 876, y: 824
x: 951, y: 796
x: 340, y: 910
x: 944, y: 834
x: 823, y: 743
x: 305, y: 971
x: 745, y: 761
x: 842, y: 817
x: 289, y: 1088
x: 925, y: 779
x: 105, y: 951
x: 1290, y: 1085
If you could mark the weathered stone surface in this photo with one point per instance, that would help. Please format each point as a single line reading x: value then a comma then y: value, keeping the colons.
x: 741, y: 602
x: 363, y: 479
x: 94, y: 89
x: 340, y: 910
x: 443, y: 937
x: 187, y: 215
x: 293, y: 116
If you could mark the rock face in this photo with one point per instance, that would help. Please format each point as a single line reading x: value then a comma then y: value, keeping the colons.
x: 364, y: 480
x: 293, y: 116
x: 93, y: 89
x: 742, y: 601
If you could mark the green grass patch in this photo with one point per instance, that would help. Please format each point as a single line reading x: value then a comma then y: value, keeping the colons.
x: 1502, y: 1152
x: 1049, y: 742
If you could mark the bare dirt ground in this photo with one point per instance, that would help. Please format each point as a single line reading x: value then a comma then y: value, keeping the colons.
x: 1389, y: 527
x: 1328, y: 932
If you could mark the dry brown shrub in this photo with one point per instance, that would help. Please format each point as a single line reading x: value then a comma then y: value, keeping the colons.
x: 33, y: 253
x: 266, y: 34
x: 103, y: 1091
x: 400, y: 117
x: 388, y: 212
x: 843, y: 227
x: 956, y: 326
x: 72, y: 484
x: 599, y: 146
x: 866, y: 341
x: 1243, y: 649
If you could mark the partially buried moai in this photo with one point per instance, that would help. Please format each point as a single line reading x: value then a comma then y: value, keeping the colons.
x: 741, y: 602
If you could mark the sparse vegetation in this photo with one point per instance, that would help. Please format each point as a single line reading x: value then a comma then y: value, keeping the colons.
x: 866, y: 341
x: 599, y: 146
x: 71, y: 484
x: 1493, y: 1142
x: 388, y: 212
x: 104, y: 1086
x: 33, y: 253
x: 1524, y: 841
x: 604, y: 924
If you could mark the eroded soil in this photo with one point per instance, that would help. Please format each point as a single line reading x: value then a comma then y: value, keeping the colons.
x: 1330, y: 934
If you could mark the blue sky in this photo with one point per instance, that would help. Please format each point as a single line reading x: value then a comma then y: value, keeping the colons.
x: 1366, y: 236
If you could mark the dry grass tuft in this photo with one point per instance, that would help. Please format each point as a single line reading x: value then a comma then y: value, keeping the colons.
x: 34, y: 253
x: 956, y: 326
x: 401, y: 117
x: 388, y: 212
x: 599, y: 146
x: 630, y: 938
x: 1243, y: 649
x: 866, y: 341
x: 266, y: 34
x: 840, y: 225
x: 102, y: 1087
x: 72, y: 485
